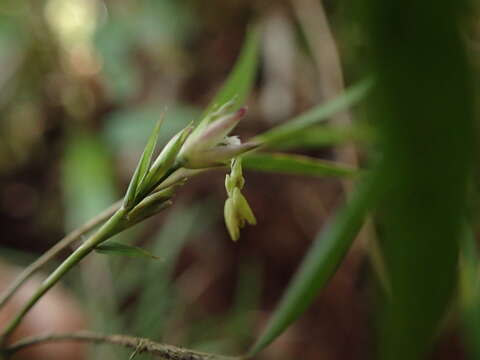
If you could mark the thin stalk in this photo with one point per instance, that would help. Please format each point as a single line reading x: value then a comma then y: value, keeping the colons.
x: 140, y: 345
x: 55, y: 250
x: 100, y: 236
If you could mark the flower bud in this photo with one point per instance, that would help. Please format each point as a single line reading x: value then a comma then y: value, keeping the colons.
x: 209, y: 145
x: 237, y: 173
x: 164, y: 161
x: 218, y: 155
x: 218, y: 111
x: 214, y: 133
x: 237, y: 211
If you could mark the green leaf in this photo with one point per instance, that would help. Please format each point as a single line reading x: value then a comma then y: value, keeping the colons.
x: 294, y: 164
x: 319, y: 136
x: 240, y: 81
x: 430, y: 160
x: 142, y: 167
x: 115, y: 248
x: 321, y: 261
x: 319, y: 113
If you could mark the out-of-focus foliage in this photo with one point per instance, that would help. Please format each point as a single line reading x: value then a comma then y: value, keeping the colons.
x: 423, y: 108
x: 294, y: 164
x: 83, y: 82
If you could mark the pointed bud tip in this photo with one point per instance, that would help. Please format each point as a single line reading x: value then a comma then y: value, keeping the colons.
x: 241, y: 112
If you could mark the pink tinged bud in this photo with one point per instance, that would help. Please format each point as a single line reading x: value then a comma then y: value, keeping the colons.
x: 218, y: 111
x: 218, y: 155
x: 213, y: 133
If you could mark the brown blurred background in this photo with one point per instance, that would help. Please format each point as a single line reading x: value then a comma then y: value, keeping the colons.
x: 82, y: 83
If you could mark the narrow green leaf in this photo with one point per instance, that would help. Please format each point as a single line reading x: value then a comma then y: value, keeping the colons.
x: 319, y: 136
x: 164, y: 161
x: 430, y: 161
x: 321, y: 261
x: 240, y: 81
x: 142, y: 167
x: 294, y: 164
x: 319, y: 113
x: 115, y: 248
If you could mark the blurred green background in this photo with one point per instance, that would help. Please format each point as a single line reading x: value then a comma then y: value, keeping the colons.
x: 82, y: 83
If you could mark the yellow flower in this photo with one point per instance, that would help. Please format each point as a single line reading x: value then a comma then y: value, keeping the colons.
x: 237, y: 211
